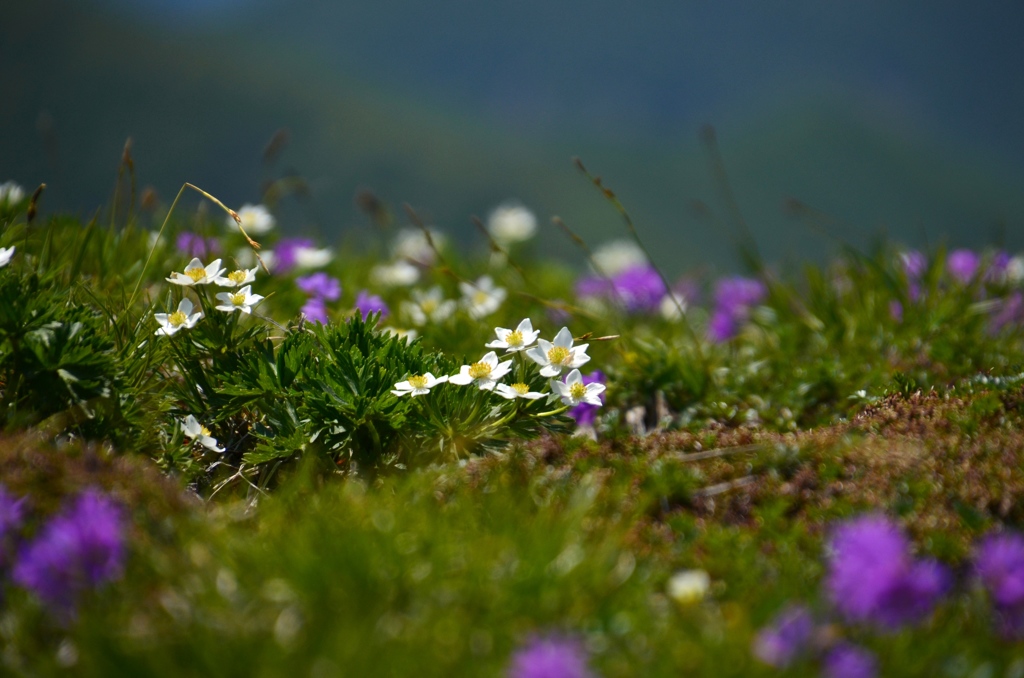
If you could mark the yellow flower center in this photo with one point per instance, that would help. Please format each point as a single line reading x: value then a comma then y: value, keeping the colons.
x: 514, y: 338
x: 237, y: 277
x: 196, y: 274
x: 479, y: 370
x: 480, y: 297
x: 429, y: 306
x: 205, y: 431
x: 238, y: 299
x: 577, y: 391
x: 418, y: 381
x: 177, y: 319
x: 559, y: 355
x: 521, y: 388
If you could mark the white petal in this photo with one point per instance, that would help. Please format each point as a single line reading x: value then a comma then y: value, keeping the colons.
x: 563, y: 338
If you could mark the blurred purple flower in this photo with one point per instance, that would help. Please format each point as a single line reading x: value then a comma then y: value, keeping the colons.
x: 583, y: 413
x: 320, y: 285
x: 996, y: 271
x: 195, y: 245
x: 314, y: 310
x: 787, y: 637
x: 896, y: 310
x: 550, y: 657
x: 999, y: 564
x: 639, y: 288
x: 367, y: 303
x: 82, y: 547
x: 12, y: 514
x: 962, y: 265
x: 593, y: 286
x: 557, y: 313
x: 284, y: 253
x: 1009, y: 312
x: 873, y: 578
x: 914, y: 264
x: 846, y: 660
x: 734, y: 297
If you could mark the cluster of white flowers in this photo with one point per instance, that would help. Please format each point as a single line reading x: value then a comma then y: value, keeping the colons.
x: 552, y: 357
x: 240, y: 299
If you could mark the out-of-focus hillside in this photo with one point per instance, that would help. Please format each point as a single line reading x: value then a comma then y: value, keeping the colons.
x: 201, y: 100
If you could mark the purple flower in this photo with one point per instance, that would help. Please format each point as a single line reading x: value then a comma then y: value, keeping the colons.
x: 285, y: 252
x: 82, y: 547
x: 320, y: 285
x: 550, y: 657
x: 1009, y: 312
x: 593, y: 286
x: 914, y: 264
x: 846, y: 660
x: 195, y: 245
x: 999, y: 564
x: 787, y: 637
x: 962, y: 265
x: 639, y: 288
x: 873, y: 578
x: 896, y: 310
x: 367, y: 303
x: 12, y: 513
x: 584, y: 413
x: 314, y: 310
x: 734, y: 297
x: 996, y: 271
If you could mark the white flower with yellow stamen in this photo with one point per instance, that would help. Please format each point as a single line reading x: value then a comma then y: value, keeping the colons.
x: 511, y: 223
x: 482, y: 298
x: 687, y: 587
x: 243, y: 300
x: 558, y: 356
x: 412, y: 243
x: 199, y: 433
x: 429, y: 306
x: 485, y: 373
x: 237, y: 278
x: 573, y: 391
x: 397, y: 274
x: 418, y: 384
x: 311, y: 257
x: 197, y: 274
x: 5, y: 255
x: 519, y: 390
x: 513, y: 341
x: 183, y: 318
x: 256, y: 219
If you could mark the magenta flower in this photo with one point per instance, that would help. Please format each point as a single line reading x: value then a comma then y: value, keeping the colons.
x: 999, y: 564
x: 962, y: 265
x: 195, y: 245
x: 734, y: 299
x: 550, y: 657
x: 788, y: 636
x: 367, y: 303
x: 585, y: 413
x: 638, y: 289
x: 284, y: 253
x: 320, y: 285
x: 873, y: 578
x: 80, y: 548
x: 846, y: 660
x: 314, y: 310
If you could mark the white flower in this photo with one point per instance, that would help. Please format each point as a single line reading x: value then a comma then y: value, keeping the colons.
x: 482, y: 298
x: 616, y: 256
x: 689, y: 586
x: 398, y: 274
x: 311, y: 257
x: 411, y: 243
x: 670, y: 305
x: 429, y: 306
x: 237, y: 278
x: 246, y: 257
x: 242, y: 300
x: 485, y: 373
x: 519, y: 390
x: 199, y: 433
x: 11, y: 193
x: 196, y: 273
x: 513, y: 341
x: 408, y: 335
x: 511, y: 223
x: 418, y: 384
x: 1015, y: 270
x: 256, y: 219
x: 557, y: 356
x: 5, y: 255
x: 181, y: 318
x: 573, y: 391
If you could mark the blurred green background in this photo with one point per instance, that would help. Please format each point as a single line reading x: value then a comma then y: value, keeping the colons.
x: 891, y: 119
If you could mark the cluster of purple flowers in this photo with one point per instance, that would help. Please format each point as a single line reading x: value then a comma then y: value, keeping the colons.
x: 734, y: 299
x: 195, y: 245
x: 639, y: 289
x: 284, y: 253
x: 78, y: 549
x: 552, y: 656
x: 367, y: 303
x: 874, y: 580
x: 321, y: 288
